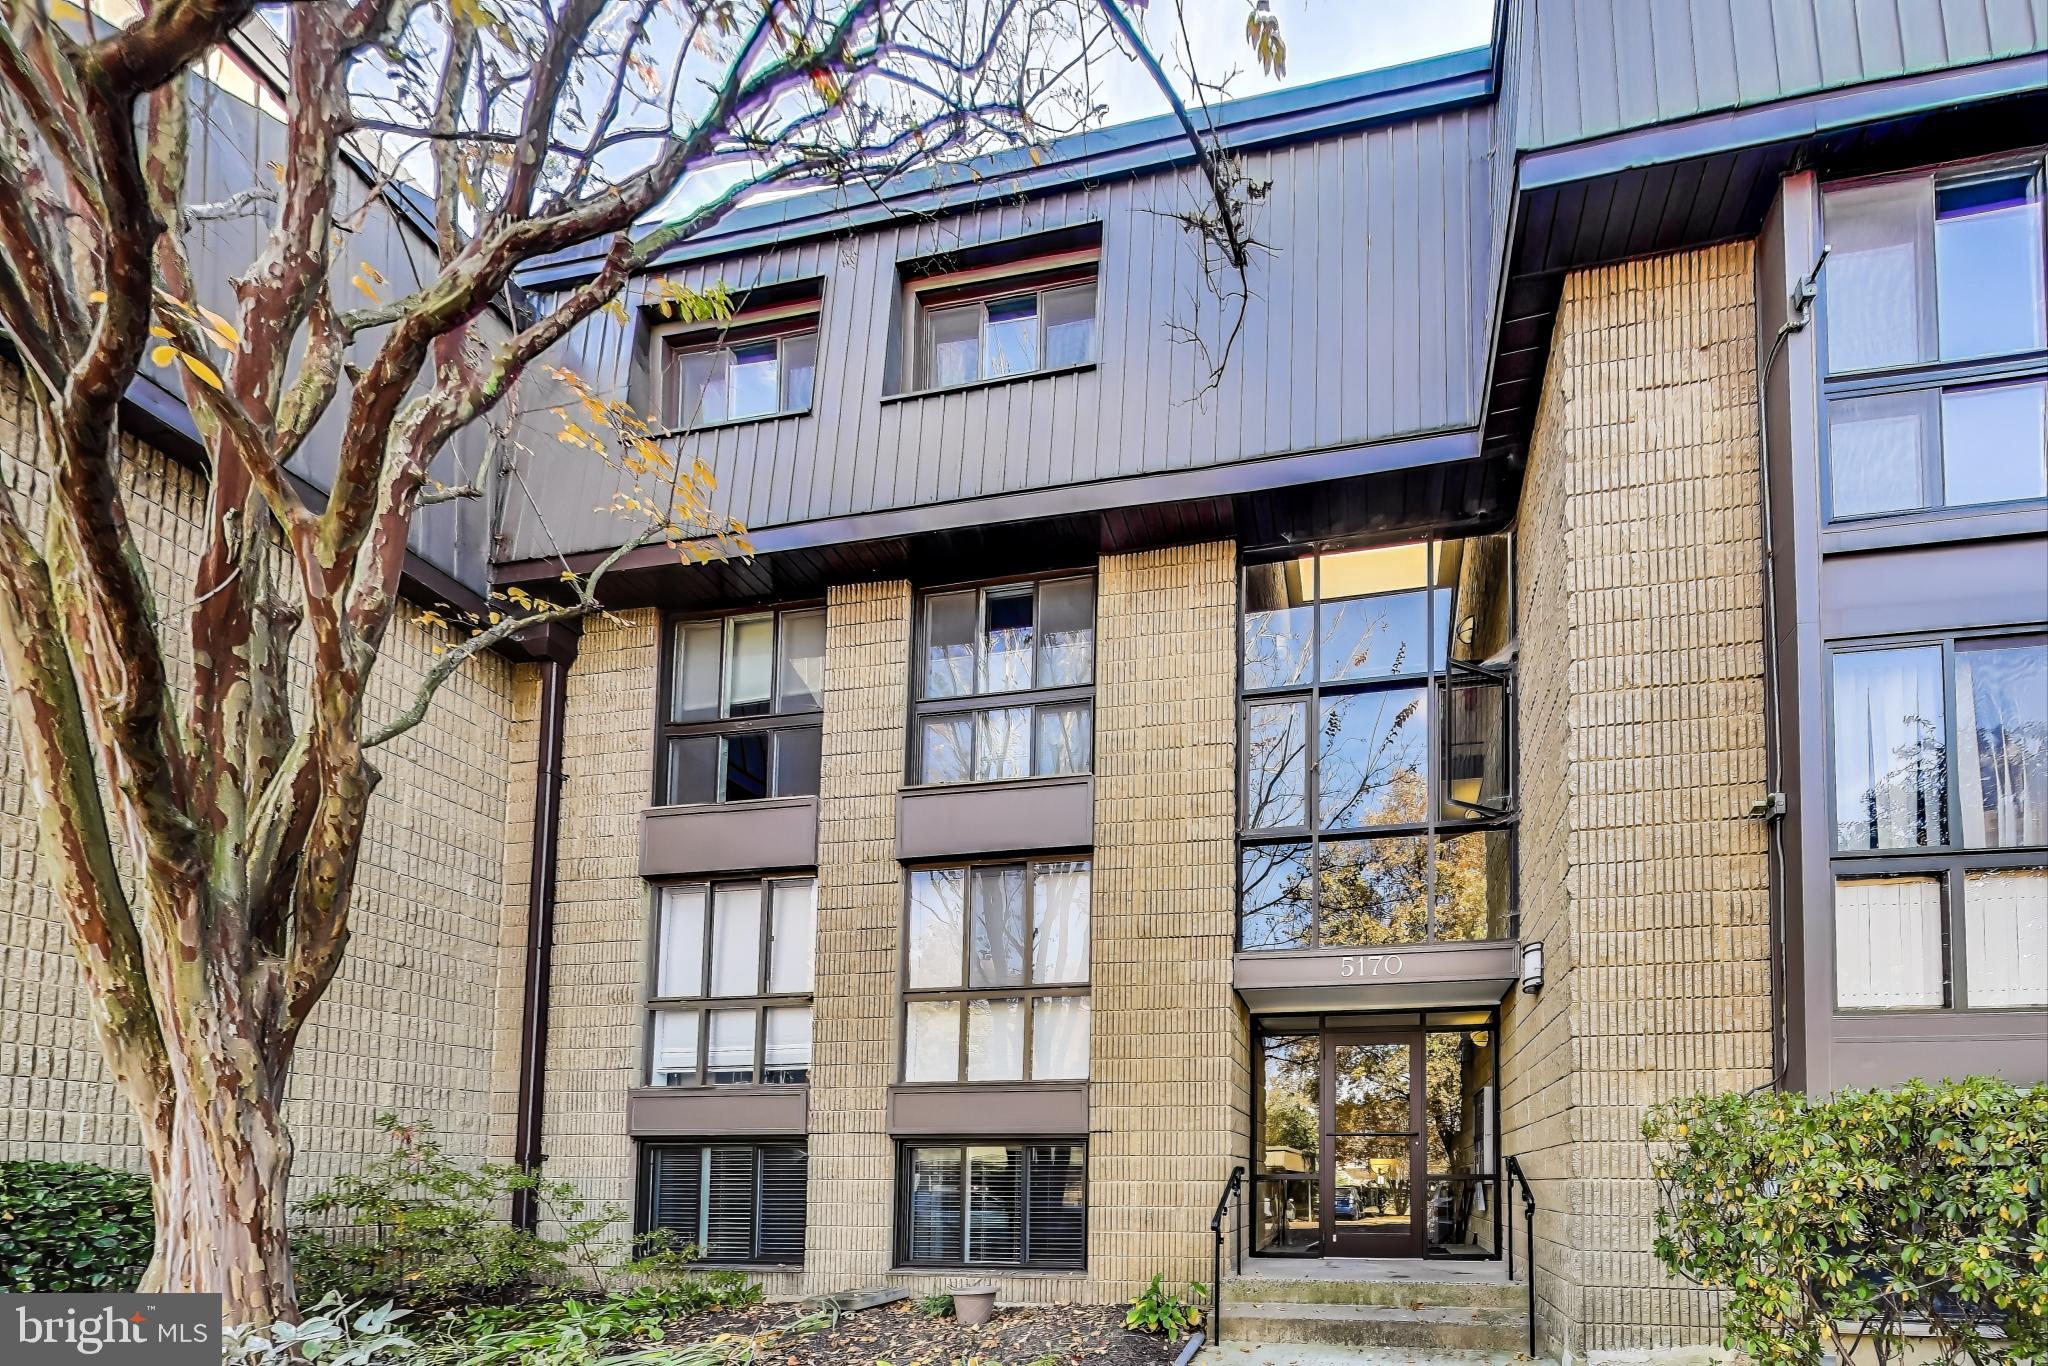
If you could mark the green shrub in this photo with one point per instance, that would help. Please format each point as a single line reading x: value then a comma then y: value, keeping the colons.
x: 1160, y: 1310
x: 422, y: 1229
x: 72, y: 1226
x: 1835, y: 1223
x: 934, y: 1306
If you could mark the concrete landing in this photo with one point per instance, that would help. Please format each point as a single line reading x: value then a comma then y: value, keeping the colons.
x: 1294, y: 1354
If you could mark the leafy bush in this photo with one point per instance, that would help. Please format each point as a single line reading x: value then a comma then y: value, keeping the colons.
x: 72, y: 1227
x: 1160, y: 1310
x: 616, y: 1329
x: 934, y: 1306
x: 1834, y: 1223
x: 422, y: 1229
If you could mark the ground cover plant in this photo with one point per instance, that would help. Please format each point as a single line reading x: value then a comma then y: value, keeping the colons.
x: 72, y: 1227
x: 904, y: 1334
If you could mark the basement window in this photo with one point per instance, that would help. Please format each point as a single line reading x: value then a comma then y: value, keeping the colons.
x: 733, y: 1201
x: 1020, y: 1205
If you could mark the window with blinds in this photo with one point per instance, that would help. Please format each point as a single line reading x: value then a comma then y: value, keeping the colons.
x: 996, y: 1204
x: 734, y: 1202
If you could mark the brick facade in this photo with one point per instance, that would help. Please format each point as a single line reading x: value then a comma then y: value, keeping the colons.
x: 1169, y: 1062
x: 1642, y: 748
x: 428, y: 919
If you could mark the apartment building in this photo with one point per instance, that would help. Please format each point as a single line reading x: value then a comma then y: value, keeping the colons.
x: 1587, y: 645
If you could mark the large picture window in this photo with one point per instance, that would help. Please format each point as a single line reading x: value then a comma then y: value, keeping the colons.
x: 1936, y: 341
x: 744, y: 707
x: 1940, y: 773
x: 1005, y: 682
x: 730, y: 1000
x: 996, y: 973
x: 994, y: 1204
x: 1376, y: 786
x: 733, y: 1201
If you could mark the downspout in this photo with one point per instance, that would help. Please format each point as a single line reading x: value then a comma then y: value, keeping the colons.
x: 540, y: 928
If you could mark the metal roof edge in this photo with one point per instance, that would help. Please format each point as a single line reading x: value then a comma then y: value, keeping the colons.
x: 1277, y: 117
x: 1807, y: 114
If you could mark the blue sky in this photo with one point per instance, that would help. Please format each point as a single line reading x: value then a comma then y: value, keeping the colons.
x: 1324, y: 38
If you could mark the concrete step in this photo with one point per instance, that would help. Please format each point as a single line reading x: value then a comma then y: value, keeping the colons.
x: 1311, y: 1354
x: 1432, y: 1328
x: 1393, y: 1293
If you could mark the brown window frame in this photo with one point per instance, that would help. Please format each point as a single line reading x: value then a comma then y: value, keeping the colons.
x: 1440, y: 679
x: 906, y: 1197
x: 704, y: 1004
x: 971, y: 705
x: 1022, y: 280
x: 668, y: 731
x: 1028, y: 990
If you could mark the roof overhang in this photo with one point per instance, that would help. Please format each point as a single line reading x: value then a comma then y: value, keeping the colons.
x: 1692, y: 182
x: 1434, y: 484
x: 1440, y: 976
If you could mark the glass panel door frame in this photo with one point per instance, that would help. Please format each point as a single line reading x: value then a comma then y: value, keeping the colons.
x: 1454, y: 1190
x: 1388, y: 1208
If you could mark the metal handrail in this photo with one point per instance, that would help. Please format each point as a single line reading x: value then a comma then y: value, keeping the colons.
x: 1232, y: 1187
x: 1515, y: 1173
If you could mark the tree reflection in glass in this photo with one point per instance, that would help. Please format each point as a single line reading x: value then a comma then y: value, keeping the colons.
x: 1372, y: 760
x: 1375, y: 891
x: 1276, y: 909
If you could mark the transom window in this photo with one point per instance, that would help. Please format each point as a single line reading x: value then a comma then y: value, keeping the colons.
x: 991, y: 331
x: 706, y: 382
x: 1376, y: 792
x: 730, y: 1000
x: 745, y: 707
x: 734, y: 1201
x: 996, y: 973
x: 1025, y: 654
x: 993, y: 1204
x: 1936, y: 341
x: 1940, y: 754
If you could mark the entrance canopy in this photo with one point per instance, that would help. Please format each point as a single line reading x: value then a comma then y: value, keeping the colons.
x: 1438, y: 976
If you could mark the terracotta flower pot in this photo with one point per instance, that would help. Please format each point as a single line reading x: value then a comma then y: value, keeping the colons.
x: 974, y: 1304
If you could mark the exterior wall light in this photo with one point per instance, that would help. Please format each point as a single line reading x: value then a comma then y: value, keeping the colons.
x: 1532, y: 966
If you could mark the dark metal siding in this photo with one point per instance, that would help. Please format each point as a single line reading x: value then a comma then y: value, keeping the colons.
x: 1367, y: 322
x: 233, y: 143
x: 1591, y: 67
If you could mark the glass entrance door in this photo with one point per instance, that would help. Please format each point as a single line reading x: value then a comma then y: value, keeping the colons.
x: 1372, y: 1146
x: 1376, y: 1138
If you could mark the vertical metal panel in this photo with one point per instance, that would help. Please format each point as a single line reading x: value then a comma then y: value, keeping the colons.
x: 1591, y: 67
x: 1364, y: 323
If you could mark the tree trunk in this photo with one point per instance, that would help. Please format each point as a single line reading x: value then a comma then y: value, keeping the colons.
x: 220, y: 1196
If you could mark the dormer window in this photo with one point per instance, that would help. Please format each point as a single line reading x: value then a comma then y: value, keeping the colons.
x: 1008, y: 334
x: 759, y: 363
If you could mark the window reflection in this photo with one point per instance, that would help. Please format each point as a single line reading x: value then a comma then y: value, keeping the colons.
x: 1347, y: 666
x: 1891, y: 749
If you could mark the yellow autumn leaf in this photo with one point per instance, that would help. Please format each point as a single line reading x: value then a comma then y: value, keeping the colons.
x: 370, y: 271
x: 163, y: 332
x: 206, y: 373
x: 229, y: 334
x: 162, y: 355
x: 98, y: 296
x: 364, y: 285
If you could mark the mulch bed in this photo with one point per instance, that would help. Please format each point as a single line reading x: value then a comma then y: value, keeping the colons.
x: 1069, y: 1335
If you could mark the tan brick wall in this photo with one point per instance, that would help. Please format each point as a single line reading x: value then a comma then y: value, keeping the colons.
x: 1169, y: 1100
x: 860, y: 906
x: 1641, y: 710
x: 408, y: 1024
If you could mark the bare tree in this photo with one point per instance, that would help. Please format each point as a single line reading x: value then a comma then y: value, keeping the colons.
x: 203, y: 842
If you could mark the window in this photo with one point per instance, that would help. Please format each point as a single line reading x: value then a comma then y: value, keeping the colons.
x: 1936, y: 325
x: 746, y: 697
x: 970, y: 333
x: 730, y: 1001
x: 734, y: 1201
x: 1376, y: 793
x: 1025, y: 652
x: 1940, y: 757
x: 1021, y: 1204
x: 995, y: 973
x: 704, y: 383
